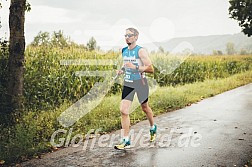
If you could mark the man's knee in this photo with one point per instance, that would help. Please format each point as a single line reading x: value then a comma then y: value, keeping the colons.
x: 145, y: 107
x: 124, y: 107
x: 124, y: 112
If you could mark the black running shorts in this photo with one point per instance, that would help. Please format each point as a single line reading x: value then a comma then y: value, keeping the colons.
x: 140, y: 87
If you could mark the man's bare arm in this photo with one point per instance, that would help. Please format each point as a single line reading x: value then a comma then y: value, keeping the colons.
x: 148, y: 67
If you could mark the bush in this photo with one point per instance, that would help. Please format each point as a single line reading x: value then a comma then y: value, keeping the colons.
x: 4, y: 54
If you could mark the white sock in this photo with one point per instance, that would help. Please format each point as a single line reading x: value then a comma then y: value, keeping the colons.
x: 152, y: 127
x: 126, y: 138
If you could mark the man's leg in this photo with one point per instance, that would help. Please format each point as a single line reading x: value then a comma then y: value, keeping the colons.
x: 146, y: 108
x: 153, y: 128
x: 125, y: 119
x: 143, y: 95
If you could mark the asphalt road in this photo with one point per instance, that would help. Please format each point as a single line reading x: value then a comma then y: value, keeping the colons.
x: 214, y: 132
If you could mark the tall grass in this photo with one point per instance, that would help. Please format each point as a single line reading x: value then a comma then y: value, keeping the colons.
x: 174, y: 70
x: 48, y: 84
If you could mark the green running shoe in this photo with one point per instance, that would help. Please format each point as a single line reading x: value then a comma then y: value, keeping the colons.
x: 122, y: 145
x: 153, y: 133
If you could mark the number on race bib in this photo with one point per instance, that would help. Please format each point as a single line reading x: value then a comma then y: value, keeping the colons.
x: 127, y: 76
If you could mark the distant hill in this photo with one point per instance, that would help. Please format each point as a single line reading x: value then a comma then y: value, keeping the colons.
x: 206, y: 44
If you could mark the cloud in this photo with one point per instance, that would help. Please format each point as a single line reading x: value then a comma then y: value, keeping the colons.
x: 81, y: 19
x: 47, y: 15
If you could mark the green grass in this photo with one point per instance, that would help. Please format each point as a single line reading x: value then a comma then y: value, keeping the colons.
x: 32, y: 134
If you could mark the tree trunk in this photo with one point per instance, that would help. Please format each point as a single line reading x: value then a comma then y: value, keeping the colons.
x: 16, y: 55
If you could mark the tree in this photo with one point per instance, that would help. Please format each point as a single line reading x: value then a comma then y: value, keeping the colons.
x: 241, y: 10
x: 230, y: 49
x: 4, y: 54
x: 43, y: 38
x: 243, y: 52
x: 16, y: 54
x: 91, y: 44
x: 217, y: 52
x: 59, y: 40
x: 56, y: 39
x: 0, y: 19
x: 161, y: 49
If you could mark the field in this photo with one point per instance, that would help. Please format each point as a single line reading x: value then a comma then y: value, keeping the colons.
x: 48, y: 83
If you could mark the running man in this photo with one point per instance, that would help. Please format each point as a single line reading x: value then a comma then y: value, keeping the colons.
x: 136, y: 64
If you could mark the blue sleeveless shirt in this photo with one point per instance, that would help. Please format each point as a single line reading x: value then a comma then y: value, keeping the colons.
x: 133, y: 57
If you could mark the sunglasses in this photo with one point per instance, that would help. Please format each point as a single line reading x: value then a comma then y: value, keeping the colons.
x: 129, y: 35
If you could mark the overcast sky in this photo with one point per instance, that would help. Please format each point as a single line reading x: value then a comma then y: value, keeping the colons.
x: 158, y: 20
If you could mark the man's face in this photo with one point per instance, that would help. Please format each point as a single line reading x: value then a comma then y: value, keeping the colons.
x: 130, y: 37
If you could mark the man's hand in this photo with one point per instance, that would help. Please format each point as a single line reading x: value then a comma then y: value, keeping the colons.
x: 119, y: 72
x: 130, y: 65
